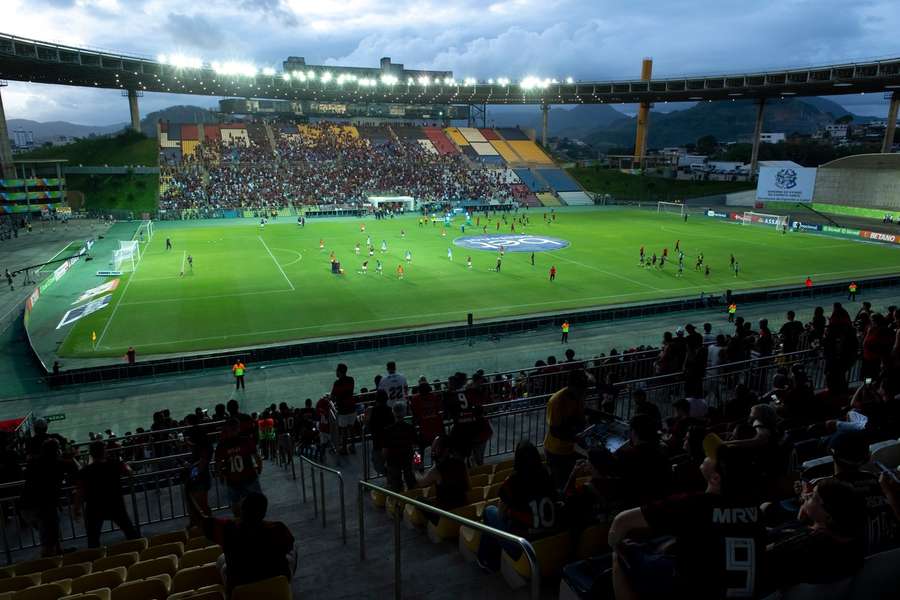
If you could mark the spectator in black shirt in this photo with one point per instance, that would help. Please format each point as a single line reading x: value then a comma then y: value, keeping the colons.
x: 641, y: 466
x: 790, y: 334
x: 100, y: 487
x: 642, y: 406
x: 399, y: 441
x: 378, y: 418
x: 44, y: 476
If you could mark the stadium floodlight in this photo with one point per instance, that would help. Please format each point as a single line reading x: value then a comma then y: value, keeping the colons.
x: 234, y: 68
x: 469, y: 81
x: 286, y: 76
x: 531, y: 83
x: 326, y: 77
x: 569, y: 80
x: 268, y: 72
x: 389, y: 79
x: 162, y: 58
x: 311, y: 75
x: 503, y: 81
x: 180, y: 61
x: 299, y: 75
x: 424, y: 80
x: 491, y: 81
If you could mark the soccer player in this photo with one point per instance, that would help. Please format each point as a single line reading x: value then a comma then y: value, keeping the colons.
x: 707, y: 271
x: 449, y: 254
x: 402, y: 234
x: 662, y: 261
x: 443, y: 232
x: 168, y: 244
x: 699, y: 264
x: 512, y: 227
x: 498, y: 225
x: 262, y: 223
x: 680, y: 267
x: 499, y: 262
x: 677, y: 245
x: 732, y: 261
x: 665, y: 252
x: 190, y: 260
x: 408, y: 257
x: 484, y: 230
x: 356, y: 248
x: 383, y: 246
x: 321, y: 245
x: 362, y: 227
x: 368, y: 241
x: 365, y: 267
x: 737, y: 268
x: 469, y: 262
x: 652, y: 262
x: 502, y: 250
x: 642, y: 256
x: 400, y: 271
x: 371, y: 250
x: 553, y: 273
x: 331, y: 256
x: 379, y: 268
x: 532, y: 259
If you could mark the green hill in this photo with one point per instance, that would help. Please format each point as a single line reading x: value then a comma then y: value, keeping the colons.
x: 646, y: 188
x: 127, y: 148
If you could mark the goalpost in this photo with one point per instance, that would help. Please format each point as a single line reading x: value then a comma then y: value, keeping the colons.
x: 779, y: 221
x: 676, y: 208
x: 129, y: 253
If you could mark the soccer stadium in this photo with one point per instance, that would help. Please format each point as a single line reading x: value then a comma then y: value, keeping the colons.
x: 364, y: 341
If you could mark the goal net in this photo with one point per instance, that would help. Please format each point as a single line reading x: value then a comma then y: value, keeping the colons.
x: 779, y: 221
x: 676, y: 208
x: 144, y: 234
x: 126, y: 258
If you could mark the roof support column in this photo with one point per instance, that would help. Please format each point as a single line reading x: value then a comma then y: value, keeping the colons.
x: 545, y: 115
x: 7, y: 168
x: 757, y: 134
x: 133, y: 109
x: 643, y: 118
x: 891, y: 123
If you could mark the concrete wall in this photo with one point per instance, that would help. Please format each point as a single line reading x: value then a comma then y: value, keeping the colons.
x: 746, y: 198
x: 870, y: 188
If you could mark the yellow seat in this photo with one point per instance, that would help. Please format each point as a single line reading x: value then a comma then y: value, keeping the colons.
x: 47, y: 591
x: 390, y: 504
x: 592, y: 542
x: 137, y: 545
x: 552, y: 555
x: 83, y: 556
x: 479, y: 480
x: 413, y: 517
x: 101, y: 594
x: 19, y: 582
x: 475, y: 494
x: 194, y: 578
x: 493, y: 491
x: 469, y: 540
x: 148, y: 568
x: 505, y: 465
x: 481, y: 470
x: 197, y: 543
x: 111, y: 578
x: 175, y: 548
x: 203, y: 556
x: 378, y: 499
x: 37, y: 565
x: 67, y: 572
x: 194, y: 532
x: 167, y: 538
x: 146, y: 589
x: 119, y: 560
x: 445, y: 529
x: 210, y: 592
x: 501, y: 475
x: 276, y: 588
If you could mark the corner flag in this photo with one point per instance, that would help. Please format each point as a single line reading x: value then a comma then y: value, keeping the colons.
x: 93, y: 336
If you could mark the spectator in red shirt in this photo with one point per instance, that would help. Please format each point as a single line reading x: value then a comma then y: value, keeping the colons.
x: 254, y: 549
x: 345, y: 402
x: 426, y: 410
x: 239, y: 464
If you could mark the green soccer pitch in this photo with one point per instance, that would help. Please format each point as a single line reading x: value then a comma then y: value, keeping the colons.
x: 253, y: 285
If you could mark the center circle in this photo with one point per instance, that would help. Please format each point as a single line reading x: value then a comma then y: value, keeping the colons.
x: 511, y: 242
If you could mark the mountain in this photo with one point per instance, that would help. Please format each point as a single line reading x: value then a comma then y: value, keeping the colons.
x: 177, y: 114
x: 726, y: 121
x: 44, y: 132
x: 561, y: 122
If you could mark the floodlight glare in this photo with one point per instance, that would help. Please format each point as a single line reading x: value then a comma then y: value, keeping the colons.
x: 388, y: 79
x: 469, y: 81
x: 503, y: 81
x: 311, y: 75
x: 491, y: 81
x: 268, y: 71
x: 424, y: 80
x: 162, y: 58
x: 326, y: 77
x: 286, y: 76
x: 569, y: 80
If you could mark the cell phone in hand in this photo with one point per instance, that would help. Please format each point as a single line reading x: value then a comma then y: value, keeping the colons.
x: 892, y: 473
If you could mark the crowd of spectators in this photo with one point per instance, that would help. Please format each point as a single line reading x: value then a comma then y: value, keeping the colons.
x: 324, y: 165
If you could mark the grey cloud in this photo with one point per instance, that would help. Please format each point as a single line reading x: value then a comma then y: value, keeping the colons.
x: 273, y: 8
x: 195, y: 31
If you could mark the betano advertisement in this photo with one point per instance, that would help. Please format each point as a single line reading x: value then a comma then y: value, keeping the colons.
x: 786, y: 184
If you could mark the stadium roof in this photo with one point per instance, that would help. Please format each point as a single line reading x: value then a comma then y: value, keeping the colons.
x: 42, y: 62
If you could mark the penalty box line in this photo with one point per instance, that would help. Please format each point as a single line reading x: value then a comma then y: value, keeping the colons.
x: 266, y: 246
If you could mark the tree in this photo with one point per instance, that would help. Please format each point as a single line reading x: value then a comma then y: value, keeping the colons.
x: 845, y: 120
x: 707, y: 144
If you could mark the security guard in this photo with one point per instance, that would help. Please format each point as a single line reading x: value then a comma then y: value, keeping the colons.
x: 565, y: 332
x: 852, y: 290
x: 732, y: 310
x: 238, y: 370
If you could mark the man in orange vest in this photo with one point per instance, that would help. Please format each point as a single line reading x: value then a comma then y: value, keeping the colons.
x: 852, y: 290
x: 238, y: 370
x: 565, y: 332
x: 732, y: 310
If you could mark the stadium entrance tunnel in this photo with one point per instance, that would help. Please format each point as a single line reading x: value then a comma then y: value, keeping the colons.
x: 511, y: 242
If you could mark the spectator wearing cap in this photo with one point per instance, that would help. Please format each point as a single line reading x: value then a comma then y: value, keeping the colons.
x: 565, y: 421
x: 830, y: 548
x: 701, y: 566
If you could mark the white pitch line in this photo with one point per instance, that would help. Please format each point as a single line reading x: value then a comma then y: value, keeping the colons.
x: 191, y: 299
x: 183, y: 258
x: 115, y: 310
x: 41, y: 268
x: 266, y: 246
x: 611, y: 274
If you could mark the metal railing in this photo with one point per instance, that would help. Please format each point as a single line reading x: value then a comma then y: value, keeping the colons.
x: 525, y: 545
x: 152, y: 497
x: 319, y: 495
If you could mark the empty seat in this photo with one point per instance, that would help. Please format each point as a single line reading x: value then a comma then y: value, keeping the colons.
x: 47, y: 591
x: 147, y: 568
x: 137, y: 545
x: 193, y: 578
x: 194, y: 532
x: 552, y: 554
x: 209, y: 592
x: 378, y: 499
x: 19, y: 582
x: 475, y: 494
x: 66, y: 572
x: 413, y: 517
x: 101, y: 594
x: 202, y: 556
x: 481, y: 470
x: 446, y: 529
x: 276, y: 588
x: 390, y: 504
x: 479, y: 480
x: 111, y: 579
x: 592, y: 542
x: 887, y: 453
x: 493, y: 490
x: 175, y: 548
x: 501, y: 475
x: 147, y: 589
x: 198, y: 542
x: 81, y: 556
x: 166, y: 538
x: 119, y: 560
x: 469, y: 540
x: 37, y: 565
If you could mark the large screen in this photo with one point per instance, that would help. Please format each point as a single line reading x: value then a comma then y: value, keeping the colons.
x: 786, y: 184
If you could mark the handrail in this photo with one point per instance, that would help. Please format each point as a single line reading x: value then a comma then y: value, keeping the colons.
x: 322, y: 470
x: 527, y: 548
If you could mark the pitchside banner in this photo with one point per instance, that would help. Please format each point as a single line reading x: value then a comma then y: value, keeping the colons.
x: 786, y: 184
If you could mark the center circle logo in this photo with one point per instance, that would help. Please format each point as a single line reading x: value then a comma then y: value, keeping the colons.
x: 511, y: 242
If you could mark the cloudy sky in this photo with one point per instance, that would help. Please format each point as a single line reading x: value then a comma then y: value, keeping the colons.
x: 586, y: 39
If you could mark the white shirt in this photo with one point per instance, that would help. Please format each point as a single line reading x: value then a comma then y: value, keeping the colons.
x: 394, y: 385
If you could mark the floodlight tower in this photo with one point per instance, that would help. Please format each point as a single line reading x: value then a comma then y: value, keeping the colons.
x: 640, y: 141
x: 7, y: 168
